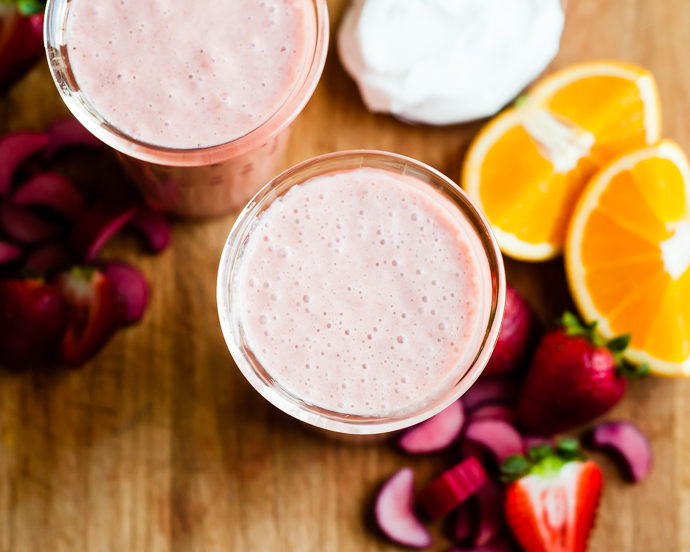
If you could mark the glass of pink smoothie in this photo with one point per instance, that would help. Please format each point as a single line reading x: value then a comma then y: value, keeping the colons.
x: 361, y: 292
x: 197, y: 97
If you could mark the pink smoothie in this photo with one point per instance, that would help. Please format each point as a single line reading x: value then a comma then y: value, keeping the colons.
x: 189, y: 73
x: 363, y: 292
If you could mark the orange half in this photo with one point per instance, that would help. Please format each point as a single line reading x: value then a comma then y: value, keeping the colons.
x: 527, y: 167
x: 628, y: 255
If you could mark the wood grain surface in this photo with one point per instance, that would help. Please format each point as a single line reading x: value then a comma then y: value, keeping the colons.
x: 160, y: 445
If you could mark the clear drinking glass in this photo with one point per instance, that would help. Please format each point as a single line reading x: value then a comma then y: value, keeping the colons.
x: 191, y: 182
x: 260, y: 376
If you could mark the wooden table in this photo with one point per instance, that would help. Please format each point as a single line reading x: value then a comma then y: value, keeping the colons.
x: 160, y: 445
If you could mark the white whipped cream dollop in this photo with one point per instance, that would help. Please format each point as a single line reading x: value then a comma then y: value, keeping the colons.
x: 447, y: 61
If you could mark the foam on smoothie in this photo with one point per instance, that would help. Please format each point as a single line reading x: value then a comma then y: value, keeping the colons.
x: 363, y: 292
x: 188, y: 73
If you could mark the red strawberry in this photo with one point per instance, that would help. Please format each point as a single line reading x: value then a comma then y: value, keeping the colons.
x: 21, y: 45
x: 551, y: 502
x: 94, y: 314
x: 32, y: 321
x: 574, y: 377
x: 519, y: 330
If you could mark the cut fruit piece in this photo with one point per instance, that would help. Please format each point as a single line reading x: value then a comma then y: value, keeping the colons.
x: 464, y: 527
x: 14, y: 149
x: 501, y: 438
x: 100, y: 223
x: 494, y: 412
x: 518, y: 335
x: 49, y: 257
x: 628, y: 255
x: 452, y: 488
x: 491, y: 390
x: 9, y: 252
x: 500, y: 544
x: 153, y: 227
x: 436, y: 433
x: 628, y: 443
x: 528, y: 166
x: 394, y: 511
x: 491, y: 518
x: 94, y: 315
x: 70, y: 132
x: 52, y: 191
x: 131, y: 290
x: 26, y: 227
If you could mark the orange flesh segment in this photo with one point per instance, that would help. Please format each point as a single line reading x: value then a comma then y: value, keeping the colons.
x: 613, y: 95
x: 661, y: 185
x: 535, y: 191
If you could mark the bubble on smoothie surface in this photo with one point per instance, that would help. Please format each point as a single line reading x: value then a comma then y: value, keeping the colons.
x: 382, y: 310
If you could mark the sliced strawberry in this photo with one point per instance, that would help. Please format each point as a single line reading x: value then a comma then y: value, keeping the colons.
x: 93, y: 313
x: 552, y: 501
x: 452, y: 488
x: 436, y: 433
x: 395, y: 512
x: 33, y: 318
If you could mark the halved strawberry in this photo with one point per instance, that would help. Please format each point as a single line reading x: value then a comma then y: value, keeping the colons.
x: 93, y: 313
x: 552, y: 500
x: 33, y: 318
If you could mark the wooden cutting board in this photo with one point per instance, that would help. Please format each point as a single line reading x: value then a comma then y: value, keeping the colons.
x: 160, y: 445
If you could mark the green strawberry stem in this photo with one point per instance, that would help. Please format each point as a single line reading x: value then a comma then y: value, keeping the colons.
x: 544, y: 460
x: 27, y: 7
x: 574, y: 328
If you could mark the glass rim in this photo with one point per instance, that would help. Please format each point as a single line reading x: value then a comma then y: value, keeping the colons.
x: 337, y: 421
x: 88, y: 115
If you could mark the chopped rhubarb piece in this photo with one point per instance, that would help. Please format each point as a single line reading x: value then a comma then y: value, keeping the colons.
x: 491, y: 518
x: 153, y: 227
x: 14, y: 149
x: 436, y: 433
x: 93, y: 317
x: 494, y: 412
x: 501, y: 438
x: 53, y: 191
x: 394, y: 511
x: 464, y: 527
x: 628, y: 443
x: 25, y: 226
x: 70, y: 132
x: 100, y: 223
x: 452, y: 488
x: 500, y: 389
x: 131, y: 290
x: 9, y: 252
x: 500, y: 544
x: 51, y: 256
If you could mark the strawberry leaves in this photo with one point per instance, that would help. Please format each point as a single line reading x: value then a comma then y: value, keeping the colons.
x: 573, y: 327
x: 27, y: 7
x: 542, y: 459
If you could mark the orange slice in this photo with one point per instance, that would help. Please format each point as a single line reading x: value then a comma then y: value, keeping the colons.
x: 528, y: 166
x: 628, y: 255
